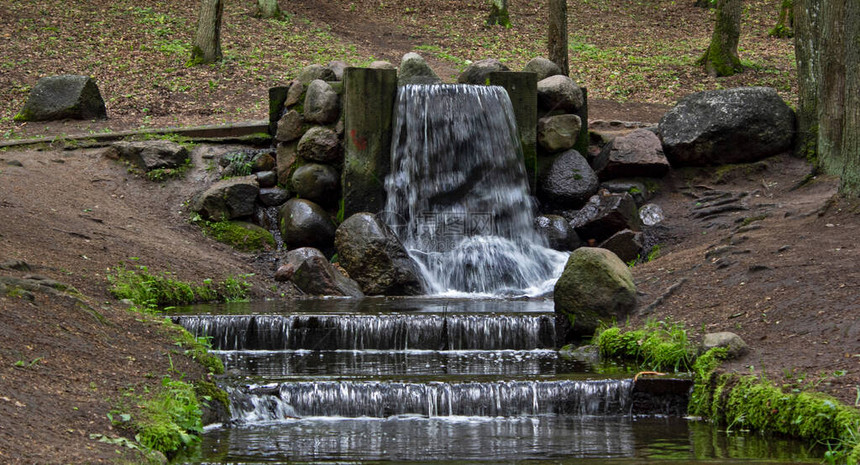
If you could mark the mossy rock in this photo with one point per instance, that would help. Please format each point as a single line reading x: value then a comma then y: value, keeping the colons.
x: 241, y: 235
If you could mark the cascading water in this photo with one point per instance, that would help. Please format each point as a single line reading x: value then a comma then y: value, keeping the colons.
x: 458, y: 195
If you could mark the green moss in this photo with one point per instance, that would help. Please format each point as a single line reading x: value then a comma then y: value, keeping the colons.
x: 239, y: 235
x: 196, y: 348
x: 164, y: 174
x: 660, y: 346
x: 152, y: 291
x: 208, y: 391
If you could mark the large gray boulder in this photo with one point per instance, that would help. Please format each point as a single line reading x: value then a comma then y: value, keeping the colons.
x: 559, y: 132
x: 414, y: 70
x: 543, y: 67
x: 290, y: 127
x: 227, y: 199
x: 569, y: 181
x: 305, y: 224
x: 273, y: 196
x: 337, y: 67
x: 637, y: 154
x: 320, y: 144
x: 319, y: 183
x: 727, y: 126
x: 595, y: 287
x: 375, y: 257
x: 604, y: 215
x: 478, y: 72
x: 313, y: 274
x: 321, y: 103
x: 559, y: 94
x: 312, y: 72
x: 61, y: 97
x: 295, y: 92
x: 152, y: 154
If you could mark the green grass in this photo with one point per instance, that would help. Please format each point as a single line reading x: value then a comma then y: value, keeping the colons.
x: 153, y: 291
x: 660, y: 346
x: 242, y: 236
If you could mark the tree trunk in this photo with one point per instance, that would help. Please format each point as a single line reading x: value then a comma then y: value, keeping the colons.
x: 499, y: 13
x: 828, y: 58
x: 721, y: 57
x: 557, y: 39
x: 207, y: 40
x: 268, y: 9
x: 785, y: 24
x: 806, y: 26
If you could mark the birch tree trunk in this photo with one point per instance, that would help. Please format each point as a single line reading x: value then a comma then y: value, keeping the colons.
x: 268, y: 9
x: 207, y: 40
x: 499, y: 13
x: 721, y: 57
x: 557, y: 40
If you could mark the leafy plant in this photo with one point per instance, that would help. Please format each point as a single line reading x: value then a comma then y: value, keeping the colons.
x: 659, y: 346
x: 153, y: 291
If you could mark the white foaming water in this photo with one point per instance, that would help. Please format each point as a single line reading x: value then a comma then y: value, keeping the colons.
x: 458, y: 195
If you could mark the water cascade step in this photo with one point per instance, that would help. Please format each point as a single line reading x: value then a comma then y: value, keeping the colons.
x: 386, y: 399
x: 377, y: 332
x: 458, y: 194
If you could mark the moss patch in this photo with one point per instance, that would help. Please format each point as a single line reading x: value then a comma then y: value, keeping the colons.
x: 151, y: 291
x: 240, y: 235
x: 659, y: 346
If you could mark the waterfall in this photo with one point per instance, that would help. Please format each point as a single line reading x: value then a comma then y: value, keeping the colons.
x: 458, y: 195
x: 255, y: 403
x: 376, y: 332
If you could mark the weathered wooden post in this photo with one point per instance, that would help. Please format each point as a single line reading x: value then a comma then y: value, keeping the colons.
x: 522, y: 89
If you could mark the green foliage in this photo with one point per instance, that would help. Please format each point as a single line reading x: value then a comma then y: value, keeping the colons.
x: 152, y: 291
x: 195, y: 347
x: 164, y: 174
x: 659, y: 346
x: 238, y: 164
x: 171, y: 420
x: 237, y: 234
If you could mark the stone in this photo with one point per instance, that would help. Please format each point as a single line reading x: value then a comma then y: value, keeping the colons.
x: 61, y: 97
x: 152, y: 154
x: 227, y: 199
x: 543, y: 67
x: 737, y: 125
x: 294, y: 94
x: 273, y: 196
x: 558, y: 232
x: 263, y: 162
x: 320, y: 144
x: 14, y: 264
x: 305, y: 224
x: 313, y: 72
x: 414, y: 70
x: 588, y: 354
x: 312, y: 273
x: 595, y: 287
x: 478, y: 72
x: 373, y: 255
x: 651, y: 214
x: 337, y: 67
x: 322, y: 105
x: 381, y: 64
x: 290, y: 127
x: 559, y: 132
x: 287, y: 159
x: 559, y: 94
x: 641, y: 190
x: 626, y: 244
x: 266, y: 178
x: 569, y: 181
x: 606, y: 214
x: 319, y: 183
x: 735, y: 346
x: 638, y: 153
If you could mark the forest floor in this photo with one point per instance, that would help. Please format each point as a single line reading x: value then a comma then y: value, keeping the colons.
x: 781, y: 271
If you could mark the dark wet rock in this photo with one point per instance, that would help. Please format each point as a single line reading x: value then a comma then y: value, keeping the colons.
x: 312, y: 273
x: 559, y: 94
x: 287, y: 161
x: 273, y: 196
x: 414, y: 70
x: 569, y: 181
x: 558, y: 232
x: 61, y: 97
x: 737, y: 125
x: 311, y: 73
x: 543, y: 67
x: 292, y: 260
x: 735, y: 346
x: 152, y: 154
x: 606, y: 214
x: 320, y: 144
x: 626, y: 244
x: 290, y: 127
x: 228, y: 199
x: 266, y: 178
x: 642, y: 190
x: 559, y: 132
x: 316, y: 182
x: 373, y: 255
x: 263, y: 162
x: 479, y: 71
x: 595, y: 287
x: 638, y: 154
x: 305, y: 224
x: 322, y: 104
